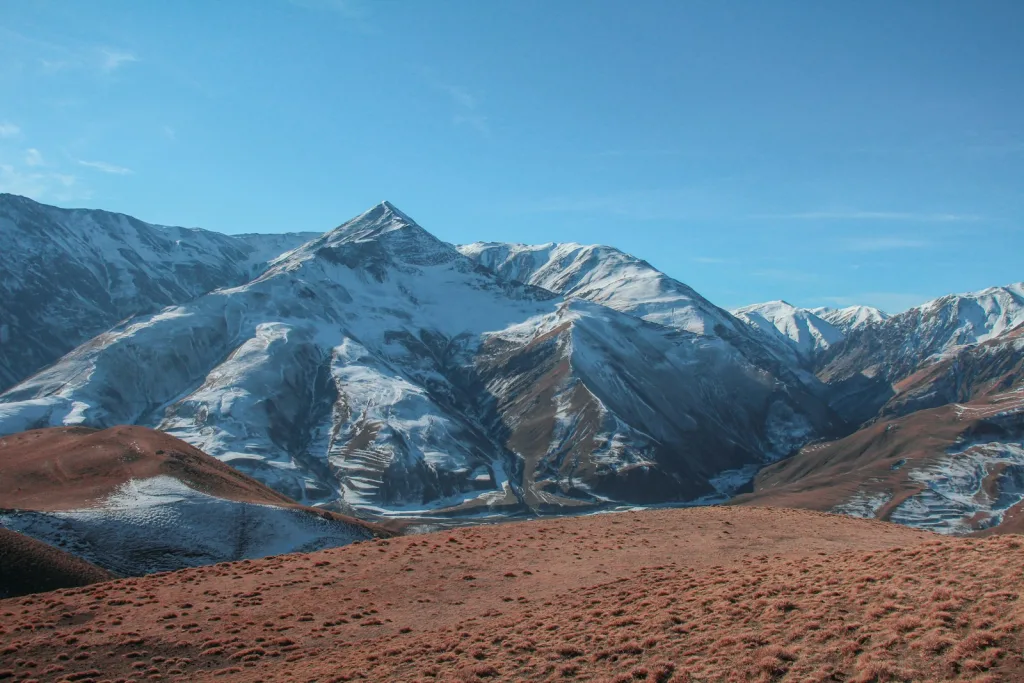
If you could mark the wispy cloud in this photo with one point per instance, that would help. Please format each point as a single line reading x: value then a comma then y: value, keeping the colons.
x: 114, y: 59
x: 169, y: 132
x: 33, y: 157
x: 907, y: 216
x: 105, y: 167
x: 9, y: 130
x: 883, y: 243
x: 468, y: 109
x: 465, y: 103
x: 41, y: 185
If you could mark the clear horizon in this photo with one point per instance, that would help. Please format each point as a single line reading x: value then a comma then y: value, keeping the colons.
x: 823, y: 155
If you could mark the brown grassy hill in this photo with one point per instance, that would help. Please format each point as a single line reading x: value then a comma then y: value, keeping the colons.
x: 115, y: 498
x: 29, y: 566
x: 65, y: 468
x: 71, y: 467
x: 705, y: 594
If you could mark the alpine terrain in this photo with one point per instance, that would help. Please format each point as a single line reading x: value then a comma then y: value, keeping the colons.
x: 377, y: 368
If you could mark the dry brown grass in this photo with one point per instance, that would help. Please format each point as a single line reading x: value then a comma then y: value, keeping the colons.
x: 667, y: 597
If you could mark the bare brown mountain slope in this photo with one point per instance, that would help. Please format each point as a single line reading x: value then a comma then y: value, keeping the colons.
x: 29, y: 566
x: 703, y: 594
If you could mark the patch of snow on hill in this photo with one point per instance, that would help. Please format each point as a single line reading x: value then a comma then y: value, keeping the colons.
x: 160, y: 524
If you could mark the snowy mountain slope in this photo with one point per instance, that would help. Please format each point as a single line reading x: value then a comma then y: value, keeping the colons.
x: 603, y: 275
x: 625, y: 283
x: 864, y: 369
x: 378, y: 367
x: 807, y: 333
x: 851, y: 317
x: 68, y: 274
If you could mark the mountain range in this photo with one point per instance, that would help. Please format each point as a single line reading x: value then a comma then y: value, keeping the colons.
x: 375, y: 369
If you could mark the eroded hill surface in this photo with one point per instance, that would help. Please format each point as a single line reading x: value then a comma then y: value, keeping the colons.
x: 703, y: 594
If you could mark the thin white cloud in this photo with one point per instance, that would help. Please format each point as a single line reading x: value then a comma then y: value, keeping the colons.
x: 466, y: 103
x: 9, y: 130
x: 460, y: 96
x: 909, y: 216
x: 883, y: 243
x: 106, y: 168
x: 33, y: 157
x: 113, y: 59
x: 169, y: 132
x: 41, y: 185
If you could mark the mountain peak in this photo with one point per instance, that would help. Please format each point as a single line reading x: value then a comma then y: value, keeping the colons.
x: 393, y: 232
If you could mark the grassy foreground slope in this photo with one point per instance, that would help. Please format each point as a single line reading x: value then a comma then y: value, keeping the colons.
x: 707, y: 594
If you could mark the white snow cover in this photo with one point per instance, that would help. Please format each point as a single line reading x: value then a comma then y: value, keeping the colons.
x: 800, y: 328
x: 851, y: 317
x: 975, y: 317
x: 160, y: 524
x: 603, y: 275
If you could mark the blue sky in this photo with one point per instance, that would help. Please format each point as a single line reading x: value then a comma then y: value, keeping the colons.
x: 823, y: 153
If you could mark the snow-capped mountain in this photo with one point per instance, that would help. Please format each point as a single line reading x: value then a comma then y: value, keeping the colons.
x: 865, y: 370
x: 805, y: 332
x: 69, y: 274
x: 378, y: 367
x: 851, y: 317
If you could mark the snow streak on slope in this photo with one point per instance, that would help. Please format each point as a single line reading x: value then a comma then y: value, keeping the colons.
x: 803, y: 330
x: 968, y: 490
x: 160, y: 524
x: 378, y: 366
x: 69, y: 274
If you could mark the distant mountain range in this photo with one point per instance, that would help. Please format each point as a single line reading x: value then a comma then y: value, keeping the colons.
x: 374, y: 368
